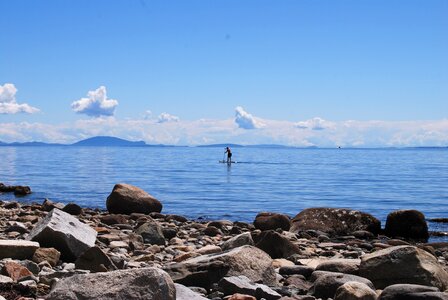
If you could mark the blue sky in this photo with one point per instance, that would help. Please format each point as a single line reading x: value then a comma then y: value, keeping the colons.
x: 290, y: 72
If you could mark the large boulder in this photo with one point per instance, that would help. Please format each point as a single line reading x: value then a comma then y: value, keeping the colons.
x: 275, y: 244
x: 409, y: 224
x: 128, y: 199
x: 237, y: 241
x: 207, y: 269
x: 19, y: 190
x: 327, y: 283
x: 144, y: 283
x: 64, y: 232
x: 335, y: 221
x: 411, y: 292
x: 17, y: 249
x: 271, y: 221
x: 403, y: 264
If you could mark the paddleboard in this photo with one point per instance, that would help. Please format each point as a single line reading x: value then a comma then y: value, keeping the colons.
x: 226, y: 162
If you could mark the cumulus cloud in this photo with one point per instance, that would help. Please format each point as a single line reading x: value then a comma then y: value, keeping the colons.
x: 8, y: 104
x: 314, y: 124
x: 245, y: 120
x: 147, y: 114
x: 166, y: 118
x: 96, y: 104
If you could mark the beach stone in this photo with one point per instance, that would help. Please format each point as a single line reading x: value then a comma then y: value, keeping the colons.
x: 11, y: 205
x: 152, y: 233
x: 207, y: 269
x: 341, y: 265
x: 327, y: 283
x: 407, y: 224
x: 275, y: 244
x: 15, y: 270
x: 243, y: 285
x: 50, y: 255
x: 408, y: 292
x: 176, y: 218
x: 112, y: 219
x: 49, y: 205
x: 95, y: 260
x: 144, y: 283
x: 209, y: 249
x: 184, y: 293
x: 353, y: 290
x: 212, y: 231
x: 64, y: 232
x: 272, y: 221
x: 403, y: 264
x: 238, y: 241
x: 5, y: 279
x: 17, y: 249
x: 127, y: 199
x: 239, y: 296
x: 334, y: 221
x: 305, y: 271
x: 73, y: 209
x: 169, y: 233
x: 17, y: 227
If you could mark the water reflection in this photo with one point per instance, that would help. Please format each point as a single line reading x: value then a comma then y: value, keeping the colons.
x: 8, y: 168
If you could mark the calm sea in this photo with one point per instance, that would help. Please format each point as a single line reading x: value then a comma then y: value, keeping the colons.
x: 190, y: 181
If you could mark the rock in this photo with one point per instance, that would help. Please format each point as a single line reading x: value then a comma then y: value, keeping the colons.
x: 275, y: 244
x: 334, y: 221
x: 408, y: 292
x: 238, y: 296
x: 95, y: 260
x: 184, y: 293
x: 17, y: 249
x: 5, y: 279
x: 272, y: 221
x: 152, y: 233
x: 49, y: 205
x: 19, y: 190
x: 127, y: 199
x: 73, y: 209
x: 65, y: 233
x: 238, y: 241
x: 113, y: 219
x: 51, y: 255
x: 298, y: 270
x: 15, y: 271
x: 212, y: 231
x: 169, y: 233
x: 17, y: 227
x: 177, y: 218
x: 241, y: 284
x: 327, y: 283
x: 407, y: 224
x: 403, y: 264
x: 144, y: 283
x: 12, y: 205
x: 205, y: 270
x: 209, y: 249
x: 342, y: 265
x: 353, y: 290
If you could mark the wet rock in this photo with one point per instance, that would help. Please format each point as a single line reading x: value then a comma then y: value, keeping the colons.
x: 346, y: 266
x: 127, y: 199
x: 238, y: 241
x: 275, y: 244
x: 15, y: 270
x: 184, y: 293
x: 334, y: 221
x: 205, y: 270
x: 408, y: 292
x: 243, y: 285
x: 403, y: 264
x: 144, y: 283
x: 64, y: 232
x: 152, y: 233
x: 19, y: 190
x: 327, y: 283
x: 50, y: 255
x: 407, y: 224
x: 73, y: 209
x: 17, y: 249
x: 95, y: 260
x: 272, y: 221
x: 353, y: 290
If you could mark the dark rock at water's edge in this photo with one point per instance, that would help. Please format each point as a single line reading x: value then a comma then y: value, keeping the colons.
x: 407, y: 224
x: 268, y: 221
x: 128, y: 199
x: 19, y: 190
x: 335, y: 221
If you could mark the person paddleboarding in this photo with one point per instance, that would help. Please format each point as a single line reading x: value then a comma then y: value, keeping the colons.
x: 229, y: 155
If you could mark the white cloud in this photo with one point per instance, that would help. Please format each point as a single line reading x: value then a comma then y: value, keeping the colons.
x: 314, y: 124
x: 166, y: 118
x: 147, y: 114
x: 96, y: 104
x: 245, y: 120
x: 8, y: 104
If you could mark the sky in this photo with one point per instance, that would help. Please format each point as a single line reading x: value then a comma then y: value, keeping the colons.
x: 301, y: 73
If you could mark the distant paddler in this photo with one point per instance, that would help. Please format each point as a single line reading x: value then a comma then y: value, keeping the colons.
x: 229, y: 155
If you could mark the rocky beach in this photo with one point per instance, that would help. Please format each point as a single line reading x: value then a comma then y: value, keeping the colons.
x: 133, y: 250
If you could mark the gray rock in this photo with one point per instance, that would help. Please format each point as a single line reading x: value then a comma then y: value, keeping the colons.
x: 243, y: 285
x: 17, y: 249
x: 353, y: 290
x: 346, y: 266
x: 411, y: 292
x: 152, y: 233
x: 184, y: 293
x: 237, y: 241
x: 297, y: 270
x: 207, y: 269
x: 64, y: 232
x: 128, y: 199
x: 5, y: 279
x: 145, y: 283
x: 403, y: 264
x: 94, y: 260
x: 327, y: 284
x: 275, y: 244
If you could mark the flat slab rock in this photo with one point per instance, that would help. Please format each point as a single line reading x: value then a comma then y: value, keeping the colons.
x: 64, y: 232
x: 17, y: 249
x: 132, y: 284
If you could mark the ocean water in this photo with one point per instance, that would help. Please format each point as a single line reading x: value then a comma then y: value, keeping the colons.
x: 190, y: 181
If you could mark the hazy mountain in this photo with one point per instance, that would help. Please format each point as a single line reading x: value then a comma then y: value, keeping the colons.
x: 109, y: 141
